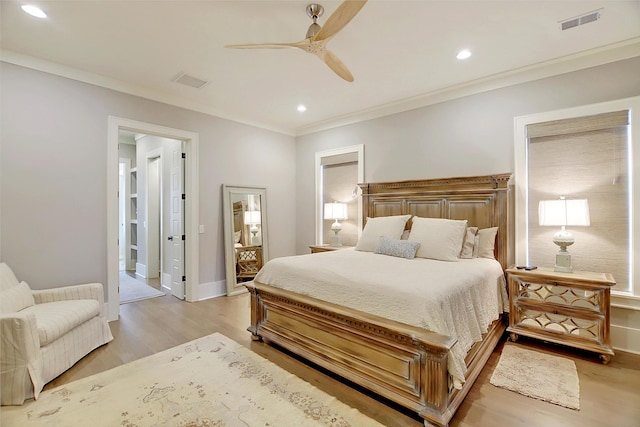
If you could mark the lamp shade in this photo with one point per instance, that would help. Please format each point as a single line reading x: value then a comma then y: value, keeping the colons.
x: 561, y: 212
x: 335, y: 210
x: 252, y: 217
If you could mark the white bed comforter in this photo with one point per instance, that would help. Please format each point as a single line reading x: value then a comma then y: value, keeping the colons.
x: 459, y: 299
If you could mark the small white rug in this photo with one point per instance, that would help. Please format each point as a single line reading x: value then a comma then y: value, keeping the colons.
x: 209, y: 382
x: 134, y: 290
x: 541, y: 376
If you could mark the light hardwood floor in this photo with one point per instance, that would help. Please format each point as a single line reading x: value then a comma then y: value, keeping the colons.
x: 609, y: 395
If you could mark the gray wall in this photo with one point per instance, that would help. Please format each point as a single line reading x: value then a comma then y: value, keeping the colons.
x: 468, y: 136
x: 53, y: 160
x: 53, y: 176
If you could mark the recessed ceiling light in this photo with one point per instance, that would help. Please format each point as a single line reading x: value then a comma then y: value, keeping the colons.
x: 34, y: 11
x: 463, y: 54
x: 302, y: 108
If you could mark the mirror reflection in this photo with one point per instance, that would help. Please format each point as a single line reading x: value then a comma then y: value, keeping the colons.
x: 245, y: 234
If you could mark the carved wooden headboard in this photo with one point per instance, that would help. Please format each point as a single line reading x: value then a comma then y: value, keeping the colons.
x: 484, y: 201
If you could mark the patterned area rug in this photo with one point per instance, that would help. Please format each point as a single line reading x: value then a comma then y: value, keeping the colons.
x: 212, y: 381
x: 541, y: 376
x: 134, y: 290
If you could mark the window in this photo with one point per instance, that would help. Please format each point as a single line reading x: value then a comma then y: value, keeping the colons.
x: 332, y: 167
x: 581, y: 153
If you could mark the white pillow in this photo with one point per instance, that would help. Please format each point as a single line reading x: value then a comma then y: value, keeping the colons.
x: 389, y: 226
x: 16, y: 298
x: 439, y: 238
x: 485, y: 242
x: 468, y: 243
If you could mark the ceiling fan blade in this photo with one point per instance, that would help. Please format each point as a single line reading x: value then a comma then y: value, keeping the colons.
x: 339, y: 18
x: 300, y: 45
x: 337, y: 66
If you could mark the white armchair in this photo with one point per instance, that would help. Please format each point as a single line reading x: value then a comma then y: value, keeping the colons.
x: 44, y: 333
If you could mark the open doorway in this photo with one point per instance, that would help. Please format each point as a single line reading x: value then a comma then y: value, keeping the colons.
x: 144, y: 195
x: 178, y: 266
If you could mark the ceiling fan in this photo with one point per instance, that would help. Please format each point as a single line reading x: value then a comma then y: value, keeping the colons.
x: 317, y: 37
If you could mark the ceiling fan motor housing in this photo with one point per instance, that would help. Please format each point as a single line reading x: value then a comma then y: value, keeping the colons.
x: 314, y: 11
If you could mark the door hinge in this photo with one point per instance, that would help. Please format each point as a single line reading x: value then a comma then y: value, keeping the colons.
x: 184, y: 237
x: 184, y: 196
x: 184, y: 155
x: 184, y: 278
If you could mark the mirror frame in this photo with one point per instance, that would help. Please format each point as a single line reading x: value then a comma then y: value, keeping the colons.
x: 228, y: 191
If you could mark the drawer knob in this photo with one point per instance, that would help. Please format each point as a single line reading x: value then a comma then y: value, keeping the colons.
x: 555, y: 311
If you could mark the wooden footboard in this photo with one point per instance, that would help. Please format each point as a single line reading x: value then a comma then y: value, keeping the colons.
x: 405, y: 364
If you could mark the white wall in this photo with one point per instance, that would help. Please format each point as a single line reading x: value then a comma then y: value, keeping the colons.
x: 53, y: 176
x: 473, y: 135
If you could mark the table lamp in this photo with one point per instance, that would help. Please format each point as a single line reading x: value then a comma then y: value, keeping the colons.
x: 563, y: 212
x: 252, y: 218
x: 335, y: 211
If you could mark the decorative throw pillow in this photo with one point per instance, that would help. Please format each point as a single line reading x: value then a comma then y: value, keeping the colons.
x: 485, y: 242
x: 16, y: 298
x: 390, y: 226
x: 397, y: 247
x: 7, y: 278
x: 468, y: 243
x: 439, y: 238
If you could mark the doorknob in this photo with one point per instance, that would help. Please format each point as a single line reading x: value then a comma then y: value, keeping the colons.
x: 170, y: 237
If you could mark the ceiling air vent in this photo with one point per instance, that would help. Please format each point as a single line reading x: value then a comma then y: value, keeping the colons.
x: 188, y: 80
x: 580, y: 20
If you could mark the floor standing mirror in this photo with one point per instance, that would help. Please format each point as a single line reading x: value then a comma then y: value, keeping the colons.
x: 245, y: 234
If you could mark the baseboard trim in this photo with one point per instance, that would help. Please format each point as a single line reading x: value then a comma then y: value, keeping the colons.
x: 625, y: 339
x: 141, y: 270
x: 166, y: 281
x: 211, y: 290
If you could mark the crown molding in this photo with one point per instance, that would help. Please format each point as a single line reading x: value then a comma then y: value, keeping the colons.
x: 50, y: 67
x: 578, y: 61
x: 566, y: 64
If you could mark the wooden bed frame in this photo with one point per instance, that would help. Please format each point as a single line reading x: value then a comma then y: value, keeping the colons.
x: 405, y: 364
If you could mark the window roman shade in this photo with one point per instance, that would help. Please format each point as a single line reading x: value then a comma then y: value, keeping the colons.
x: 578, y: 124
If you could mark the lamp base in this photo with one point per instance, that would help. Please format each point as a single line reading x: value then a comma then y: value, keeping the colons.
x: 335, y: 240
x: 563, y: 262
x: 255, y: 240
x: 336, y: 227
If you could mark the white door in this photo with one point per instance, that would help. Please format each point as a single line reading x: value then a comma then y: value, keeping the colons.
x: 176, y: 219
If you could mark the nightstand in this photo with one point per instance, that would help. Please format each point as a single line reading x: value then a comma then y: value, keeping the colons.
x: 326, y: 248
x: 564, y: 308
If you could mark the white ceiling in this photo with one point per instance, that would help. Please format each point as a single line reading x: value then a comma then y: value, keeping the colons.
x: 401, y: 53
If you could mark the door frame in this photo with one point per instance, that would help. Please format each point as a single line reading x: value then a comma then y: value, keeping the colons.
x: 191, y: 149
